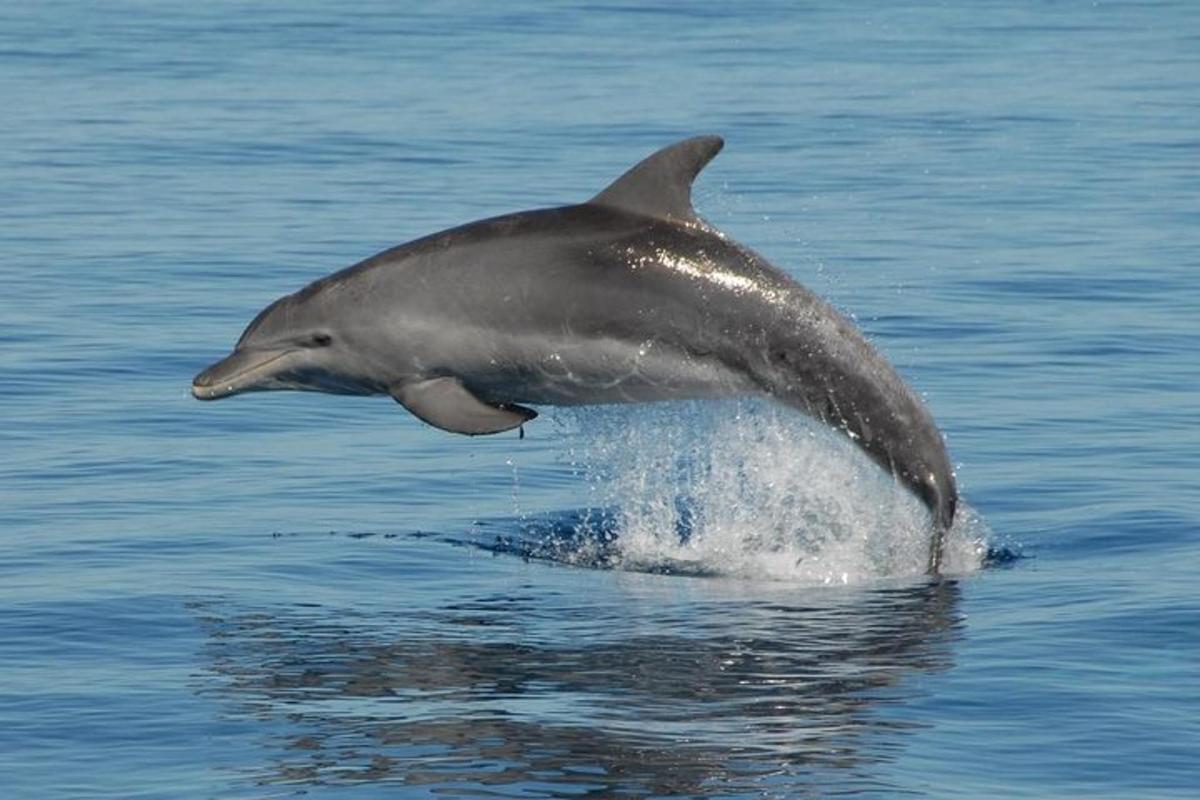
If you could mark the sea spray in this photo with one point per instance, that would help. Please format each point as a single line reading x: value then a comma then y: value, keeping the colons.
x: 748, y: 489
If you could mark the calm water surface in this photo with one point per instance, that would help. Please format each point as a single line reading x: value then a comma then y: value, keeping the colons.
x: 300, y: 595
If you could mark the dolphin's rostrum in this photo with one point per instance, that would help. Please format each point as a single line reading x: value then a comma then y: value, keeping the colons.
x: 628, y: 297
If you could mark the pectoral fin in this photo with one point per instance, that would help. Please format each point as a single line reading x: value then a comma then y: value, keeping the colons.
x: 445, y: 403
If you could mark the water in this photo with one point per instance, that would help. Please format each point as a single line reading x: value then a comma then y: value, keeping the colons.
x: 299, y: 595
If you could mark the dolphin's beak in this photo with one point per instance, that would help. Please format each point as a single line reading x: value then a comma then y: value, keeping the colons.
x: 240, y: 371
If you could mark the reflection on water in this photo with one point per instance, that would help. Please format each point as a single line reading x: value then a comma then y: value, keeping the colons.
x: 637, y: 692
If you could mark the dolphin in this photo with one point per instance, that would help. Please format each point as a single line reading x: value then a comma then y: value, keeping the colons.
x: 628, y: 297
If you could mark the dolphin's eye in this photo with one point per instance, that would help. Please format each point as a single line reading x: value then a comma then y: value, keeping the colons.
x: 320, y: 340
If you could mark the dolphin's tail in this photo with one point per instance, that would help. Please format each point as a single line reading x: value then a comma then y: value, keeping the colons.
x: 943, y: 517
x: 865, y: 398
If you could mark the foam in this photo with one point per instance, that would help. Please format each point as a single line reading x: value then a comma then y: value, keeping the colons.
x: 752, y: 490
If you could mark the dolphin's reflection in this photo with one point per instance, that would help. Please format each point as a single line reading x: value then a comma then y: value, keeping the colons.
x: 515, y: 694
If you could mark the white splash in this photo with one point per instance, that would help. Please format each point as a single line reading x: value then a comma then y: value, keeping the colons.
x: 760, y: 491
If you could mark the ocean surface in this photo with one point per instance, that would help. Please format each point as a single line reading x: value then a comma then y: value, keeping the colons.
x: 299, y: 595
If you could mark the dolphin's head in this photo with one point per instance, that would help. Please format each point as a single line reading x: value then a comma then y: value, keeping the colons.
x: 289, y: 345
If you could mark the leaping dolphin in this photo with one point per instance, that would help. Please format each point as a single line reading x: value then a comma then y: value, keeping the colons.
x: 629, y: 297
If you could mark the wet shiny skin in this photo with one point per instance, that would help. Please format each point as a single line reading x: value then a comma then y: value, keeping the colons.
x: 298, y: 595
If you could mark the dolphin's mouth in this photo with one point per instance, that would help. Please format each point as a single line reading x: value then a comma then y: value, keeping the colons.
x: 240, y: 371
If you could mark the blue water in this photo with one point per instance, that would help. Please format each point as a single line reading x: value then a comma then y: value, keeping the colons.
x: 293, y: 595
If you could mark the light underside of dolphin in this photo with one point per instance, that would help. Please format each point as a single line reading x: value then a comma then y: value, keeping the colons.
x: 629, y: 297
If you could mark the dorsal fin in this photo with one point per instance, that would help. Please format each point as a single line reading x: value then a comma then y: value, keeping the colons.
x: 661, y: 185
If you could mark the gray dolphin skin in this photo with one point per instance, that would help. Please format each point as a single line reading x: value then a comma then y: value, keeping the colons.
x: 629, y: 297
